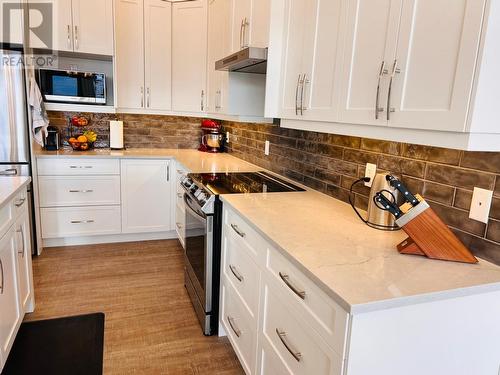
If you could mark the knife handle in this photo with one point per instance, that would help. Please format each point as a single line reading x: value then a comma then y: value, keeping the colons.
x: 398, y: 185
x: 382, y: 202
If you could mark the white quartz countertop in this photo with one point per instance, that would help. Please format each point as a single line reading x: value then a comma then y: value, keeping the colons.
x: 359, y: 267
x: 193, y: 160
x: 10, y: 186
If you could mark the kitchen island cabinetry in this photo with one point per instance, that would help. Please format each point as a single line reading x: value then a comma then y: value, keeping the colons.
x: 16, y: 278
x: 281, y: 319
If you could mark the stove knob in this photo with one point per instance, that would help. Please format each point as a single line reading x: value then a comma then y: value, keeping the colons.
x: 202, y: 197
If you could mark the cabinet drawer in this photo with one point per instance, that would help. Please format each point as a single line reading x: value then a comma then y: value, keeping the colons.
x: 57, y: 191
x: 241, y: 271
x: 77, y: 166
x: 301, y: 348
x: 251, y: 241
x: 20, y: 202
x: 322, y: 313
x: 76, y: 221
x: 240, y: 327
x: 270, y: 361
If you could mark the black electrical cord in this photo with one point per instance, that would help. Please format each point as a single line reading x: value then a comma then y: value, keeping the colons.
x: 370, y: 224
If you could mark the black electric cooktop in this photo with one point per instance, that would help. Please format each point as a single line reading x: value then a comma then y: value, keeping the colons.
x: 243, y: 182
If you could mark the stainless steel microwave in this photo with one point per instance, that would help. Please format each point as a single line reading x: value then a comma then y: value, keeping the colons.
x: 62, y: 86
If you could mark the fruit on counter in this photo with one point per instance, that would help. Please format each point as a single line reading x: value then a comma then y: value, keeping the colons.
x: 79, y: 121
x: 84, y: 146
x: 91, y: 136
x: 72, y: 140
x: 82, y: 139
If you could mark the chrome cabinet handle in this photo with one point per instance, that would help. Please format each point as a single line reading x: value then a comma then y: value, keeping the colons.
x: 178, y: 225
x: 77, y: 43
x: 237, y: 230
x: 142, y: 97
x: 82, y: 221
x: 282, y: 336
x: 378, y: 109
x: 179, y: 195
x: 69, y: 36
x: 3, y: 281
x: 202, y: 100
x: 241, y: 34
x: 21, y: 202
x: 299, y: 81
x: 395, y: 70
x: 81, y: 166
x: 235, y: 329
x: 236, y: 273
x: 148, y: 95
x: 305, y: 81
x: 9, y: 172
x: 245, y: 24
x: 21, y: 230
x: 168, y: 172
x: 81, y: 191
x: 286, y: 280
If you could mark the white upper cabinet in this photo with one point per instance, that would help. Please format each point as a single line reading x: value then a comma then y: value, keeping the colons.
x: 84, y: 26
x: 311, y: 59
x: 93, y: 26
x: 143, y: 54
x: 371, y: 36
x: 189, y: 56
x: 435, y: 61
x: 250, y: 24
x: 158, y: 54
x: 129, y: 53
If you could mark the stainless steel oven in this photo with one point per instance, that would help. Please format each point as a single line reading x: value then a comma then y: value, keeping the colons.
x: 202, y: 258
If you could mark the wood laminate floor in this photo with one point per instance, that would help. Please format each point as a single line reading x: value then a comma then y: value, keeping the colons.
x: 151, y: 327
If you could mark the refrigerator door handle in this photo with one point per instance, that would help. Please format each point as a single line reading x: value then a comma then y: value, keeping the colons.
x: 9, y: 172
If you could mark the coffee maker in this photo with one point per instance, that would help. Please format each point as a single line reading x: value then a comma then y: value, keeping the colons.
x: 212, y: 139
x: 51, y: 142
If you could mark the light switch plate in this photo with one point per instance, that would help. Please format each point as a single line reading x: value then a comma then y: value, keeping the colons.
x: 370, y: 171
x: 481, y: 204
x: 266, y: 148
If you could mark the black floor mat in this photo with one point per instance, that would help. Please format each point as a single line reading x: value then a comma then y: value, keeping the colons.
x: 62, y: 346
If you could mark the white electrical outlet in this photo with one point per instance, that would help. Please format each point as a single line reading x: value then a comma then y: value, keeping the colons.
x: 370, y: 171
x: 481, y: 204
x: 227, y: 137
x: 266, y: 148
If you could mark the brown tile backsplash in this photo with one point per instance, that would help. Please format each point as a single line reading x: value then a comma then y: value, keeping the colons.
x: 139, y: 130
x: 329, y: 163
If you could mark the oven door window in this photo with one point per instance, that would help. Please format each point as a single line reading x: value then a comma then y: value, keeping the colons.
x: 196, y: 243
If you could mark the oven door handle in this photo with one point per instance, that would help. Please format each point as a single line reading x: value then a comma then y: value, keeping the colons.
x: 186, y: 197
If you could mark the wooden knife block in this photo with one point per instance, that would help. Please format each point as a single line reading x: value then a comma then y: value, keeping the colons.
x: 430, y: 237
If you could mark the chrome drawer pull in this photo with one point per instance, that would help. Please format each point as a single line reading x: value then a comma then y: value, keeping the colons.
x: 178, y: 225
x: 81, y: 191
x: 2, y: 285
x: 295, y: 354
x: 236, y: 273
x: 179, y: 195
x: 237, y: 230
x: 21, y: 202
x: 286, y: 280
x: 80, y: 167
x: 20, y: 230
x: 236, y: 331
x: 82, y: 221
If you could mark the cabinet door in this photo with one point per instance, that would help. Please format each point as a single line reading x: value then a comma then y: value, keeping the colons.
x: 158, y: 54
x: 320, y: 95
x: 129, y: 53
x: 25, y: 273
x: 241, y: 18
x: 93, y: 26
x: 219, y: 46
x: 62, y: 32
x: 146, y: 196
x: 10, y: 308
x: 371, y: 35
x: 299, y: 52
x: 436, y: 58
x: 259, y: 24
x: 189, y: 56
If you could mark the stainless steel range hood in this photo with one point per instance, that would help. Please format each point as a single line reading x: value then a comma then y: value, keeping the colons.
x: 248, y: 60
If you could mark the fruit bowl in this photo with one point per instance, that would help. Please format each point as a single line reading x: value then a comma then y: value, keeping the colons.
x: 83, y: 142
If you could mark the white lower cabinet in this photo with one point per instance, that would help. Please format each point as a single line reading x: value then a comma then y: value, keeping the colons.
x: 146, y: 195
x: 277, y: 320
x: 16, y: 279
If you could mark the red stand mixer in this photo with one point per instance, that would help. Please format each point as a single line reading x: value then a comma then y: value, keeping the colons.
x: 212, y: 139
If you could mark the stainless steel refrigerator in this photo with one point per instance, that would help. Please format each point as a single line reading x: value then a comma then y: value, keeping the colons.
x: 15, y: 144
